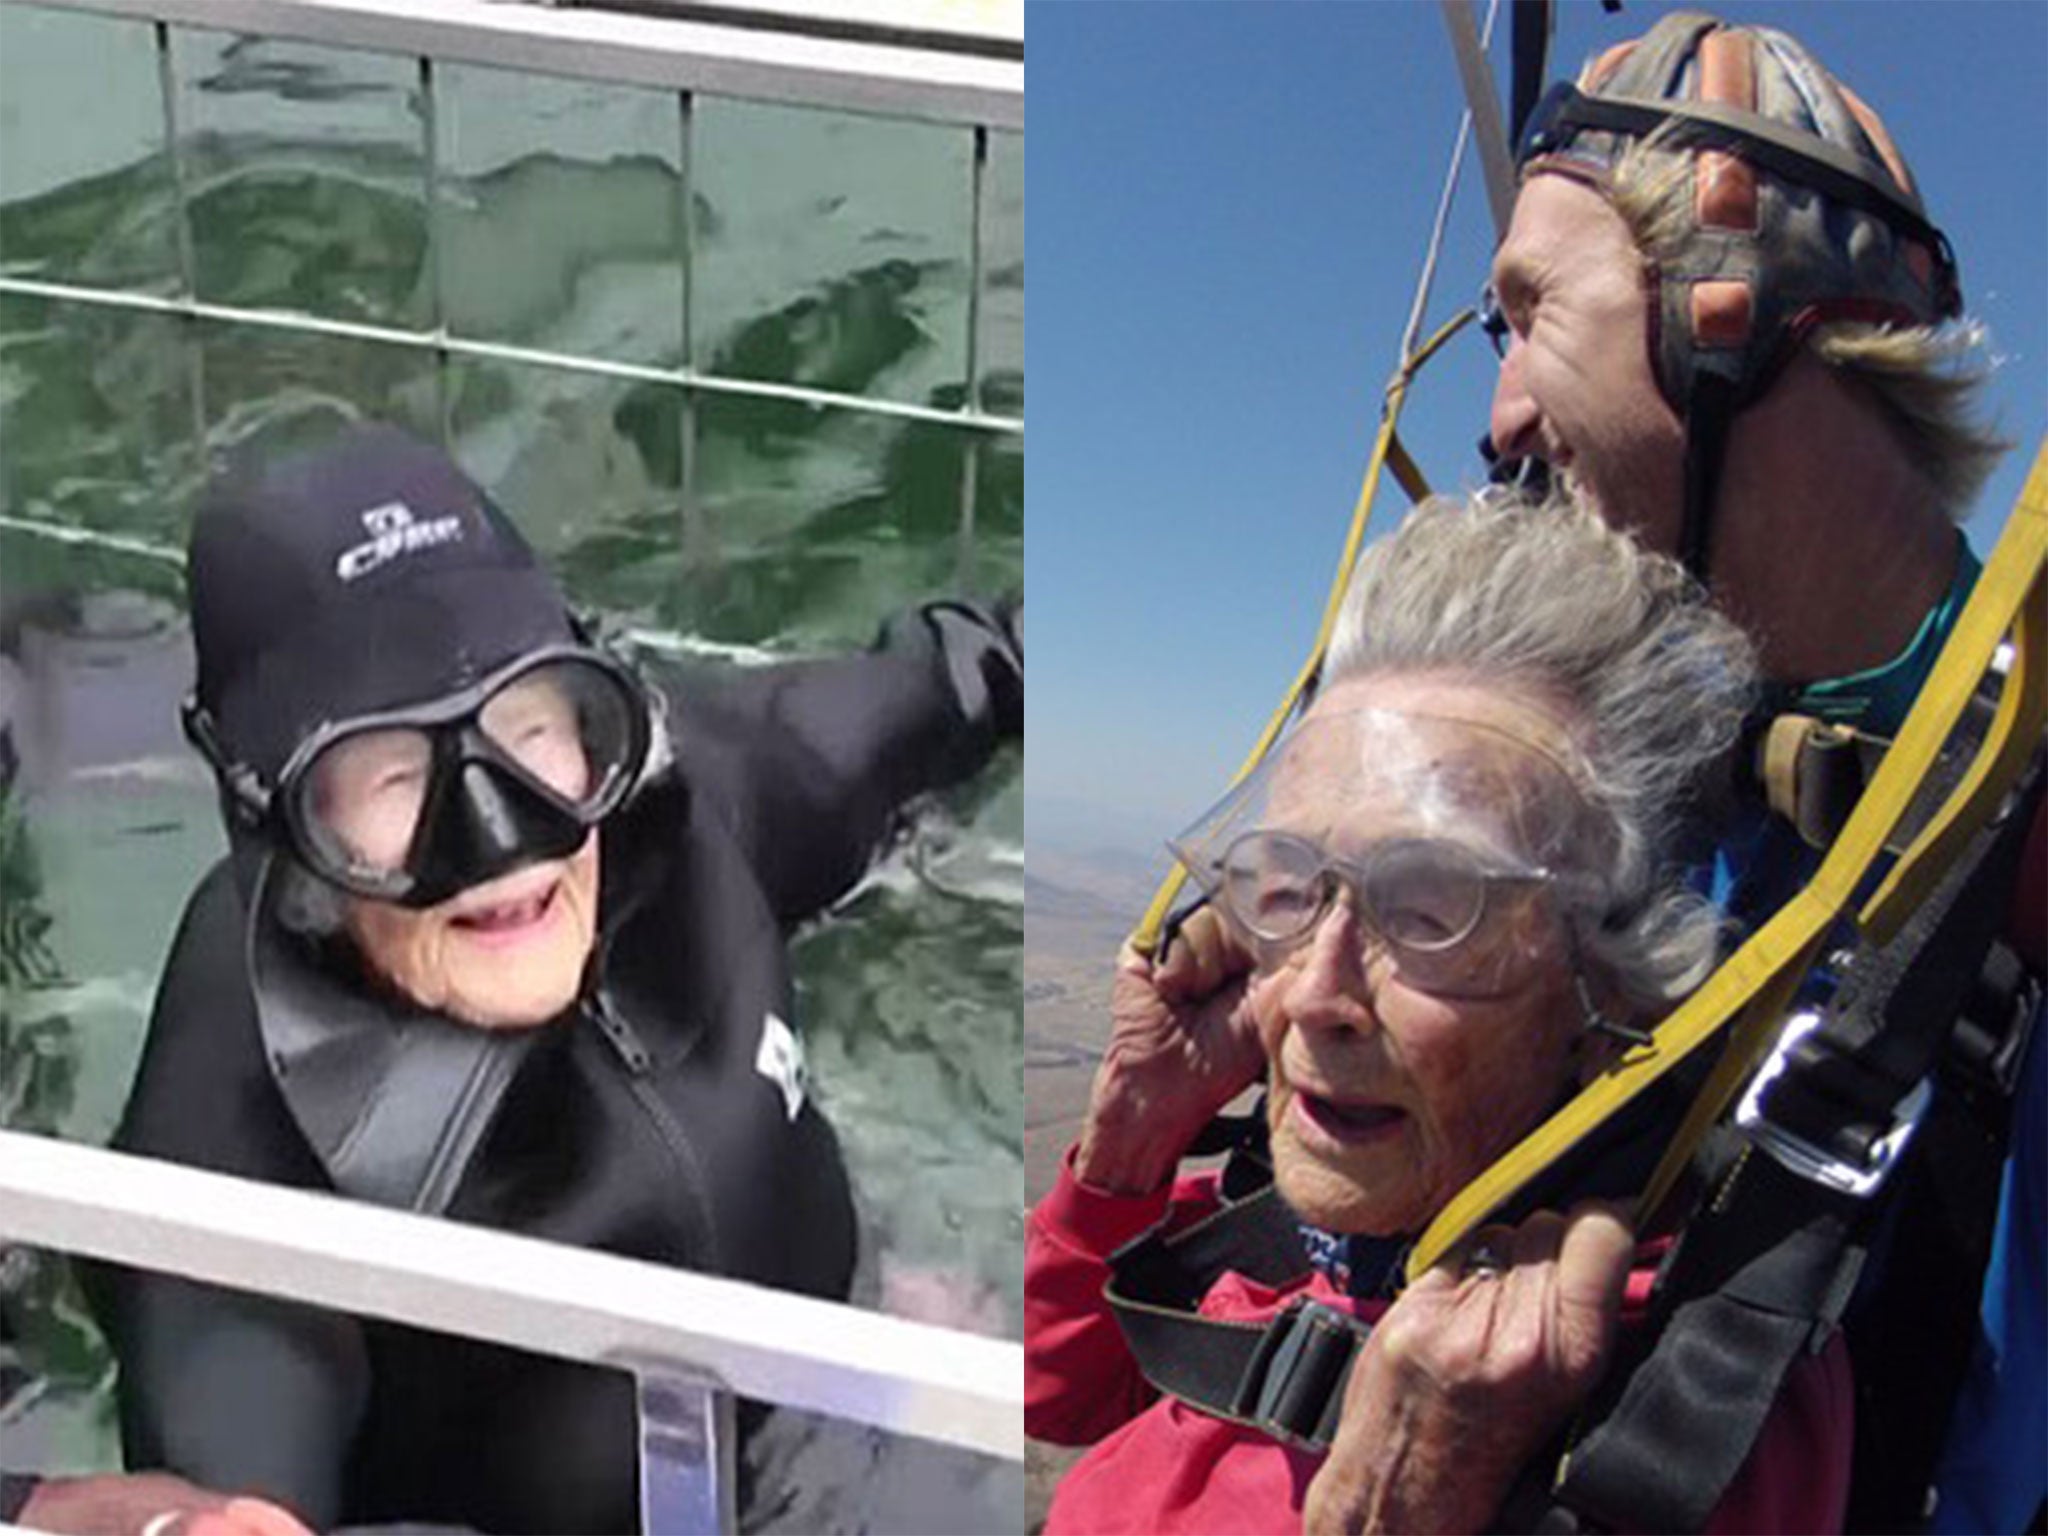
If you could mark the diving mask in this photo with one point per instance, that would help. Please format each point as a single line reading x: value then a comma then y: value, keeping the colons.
x: 1456, y: 846
x: 412, y: 805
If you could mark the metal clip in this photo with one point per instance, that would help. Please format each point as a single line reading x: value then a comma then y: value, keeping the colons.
x: 1802, y: 1157
x: 1294, y: 1381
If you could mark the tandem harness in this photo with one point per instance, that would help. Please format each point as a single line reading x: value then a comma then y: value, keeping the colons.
x: 1924, y: 1037
x: 1922, y: 1040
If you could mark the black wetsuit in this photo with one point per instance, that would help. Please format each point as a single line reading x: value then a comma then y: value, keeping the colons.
x: 638, y: 1122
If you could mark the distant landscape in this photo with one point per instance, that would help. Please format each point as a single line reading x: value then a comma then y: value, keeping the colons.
x: 1078, y: 905
x: 1086, y: 883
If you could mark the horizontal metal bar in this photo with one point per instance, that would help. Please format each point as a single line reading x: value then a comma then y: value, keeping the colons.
x: 992, y: 27
x: 572, y: 1303
x: 837, y: 73
x: 72, y: 533
x: 461, y: 346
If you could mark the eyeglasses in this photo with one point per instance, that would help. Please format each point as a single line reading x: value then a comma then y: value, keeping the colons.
x: 1493, y: 321
x: 1440, y: 911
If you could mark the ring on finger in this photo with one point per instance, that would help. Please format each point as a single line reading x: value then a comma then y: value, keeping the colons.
x: 1485, y: 1262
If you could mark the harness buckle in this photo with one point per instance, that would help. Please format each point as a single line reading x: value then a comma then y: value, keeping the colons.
x: 1818, y: 1164
x: 1991, y: 1036
x: 1293, y: 1385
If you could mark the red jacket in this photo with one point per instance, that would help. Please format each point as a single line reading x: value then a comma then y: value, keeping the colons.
x: 1159, y: 1466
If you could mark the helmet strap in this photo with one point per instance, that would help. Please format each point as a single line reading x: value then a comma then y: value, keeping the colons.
x: 1709, y: 409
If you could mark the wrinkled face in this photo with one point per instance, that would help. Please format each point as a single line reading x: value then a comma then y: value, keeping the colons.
x: 1385, y: 1099
x: 506, y: 954
x: 1577, y: 387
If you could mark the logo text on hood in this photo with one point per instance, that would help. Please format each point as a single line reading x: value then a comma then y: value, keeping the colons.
x: 394, y: 531
x: 780, y: 1059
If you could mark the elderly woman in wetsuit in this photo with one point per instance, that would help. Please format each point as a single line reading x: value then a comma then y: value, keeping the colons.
x: 500, y: 937
x: 1445, y: 899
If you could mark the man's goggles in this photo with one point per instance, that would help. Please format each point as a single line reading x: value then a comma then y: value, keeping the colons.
x: 1440, y: 834
x: 413, y: 805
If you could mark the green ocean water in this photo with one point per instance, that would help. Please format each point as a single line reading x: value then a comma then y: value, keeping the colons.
x: 782, y: 245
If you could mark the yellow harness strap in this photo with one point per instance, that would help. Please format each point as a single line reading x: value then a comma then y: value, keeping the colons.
x: 1755, y: 985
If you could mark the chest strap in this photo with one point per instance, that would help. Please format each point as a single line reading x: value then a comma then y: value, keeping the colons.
x: 1284, y: 1377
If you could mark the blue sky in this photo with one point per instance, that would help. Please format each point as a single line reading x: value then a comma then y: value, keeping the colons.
x: 1229, y: 206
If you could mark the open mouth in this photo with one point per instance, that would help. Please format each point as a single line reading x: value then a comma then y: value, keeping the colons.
x: 1349, y: 1122
x: 505, y: 921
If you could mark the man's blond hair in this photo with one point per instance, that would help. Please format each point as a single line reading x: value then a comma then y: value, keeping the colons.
x: 1925, y: 379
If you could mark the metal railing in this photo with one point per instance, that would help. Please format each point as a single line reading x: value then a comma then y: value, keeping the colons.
x: 928, y: 83
x: 910, y: 1378
x: 447, y: 346
x: 888, y: 79
x: 994, y: 28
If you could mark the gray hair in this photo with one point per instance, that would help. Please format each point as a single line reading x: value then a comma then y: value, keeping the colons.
x: 305, y: 904
x: 1550, y: 601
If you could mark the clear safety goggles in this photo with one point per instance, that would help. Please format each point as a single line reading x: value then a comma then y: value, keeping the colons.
x: 412, y: 805
x: 1449, y: 844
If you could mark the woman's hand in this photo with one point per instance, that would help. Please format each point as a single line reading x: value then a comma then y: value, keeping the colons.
x: 1470, y: 1374
x: 1181, y: 1046
x: 149, y: 1504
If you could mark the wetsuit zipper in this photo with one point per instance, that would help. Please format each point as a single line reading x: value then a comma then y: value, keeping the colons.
x: 619, y: 1034
x: 639, y: 1064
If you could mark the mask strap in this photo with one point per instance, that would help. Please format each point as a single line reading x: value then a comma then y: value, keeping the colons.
x: 245, y: 786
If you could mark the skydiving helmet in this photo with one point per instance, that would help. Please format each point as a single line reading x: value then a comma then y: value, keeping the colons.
x: 1802, y: 212
x: 390, y: 688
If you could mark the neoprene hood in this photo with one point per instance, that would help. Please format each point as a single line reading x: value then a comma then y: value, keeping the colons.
x: 365, y: 575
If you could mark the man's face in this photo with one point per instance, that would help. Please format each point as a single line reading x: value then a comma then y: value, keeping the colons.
x: 506, y: 954
x: 1577, y: 388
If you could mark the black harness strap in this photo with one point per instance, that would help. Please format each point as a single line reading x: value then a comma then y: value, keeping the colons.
x: 1932, y: 1255
x: 1941, y: 1227
x: 1812, y: 772
x: 1285, y: 1376
x: 1764, y: 1270
x: 1529, y: 50
x: 1771, y: 1274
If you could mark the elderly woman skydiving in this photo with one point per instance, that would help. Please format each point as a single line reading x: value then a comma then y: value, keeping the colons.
x: 500, y: 936
x: 1443, y: 903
